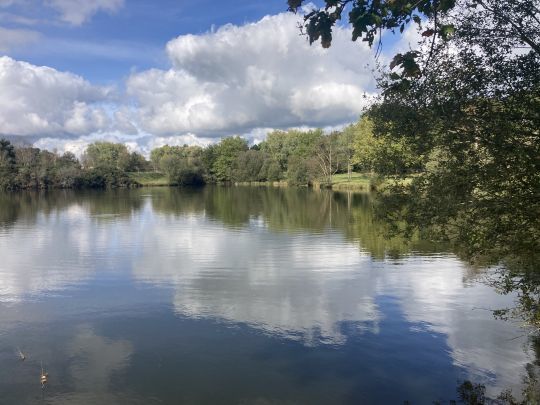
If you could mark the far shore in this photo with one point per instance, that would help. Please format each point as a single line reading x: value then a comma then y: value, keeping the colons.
x: 364, y: 182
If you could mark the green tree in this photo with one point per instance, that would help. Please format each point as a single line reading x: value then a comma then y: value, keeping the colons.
x: 468, y: 99
x: 107, y: 155
x: 7, y: 164
x: 182, y: 164
x: 181, y: 170
x: 281, y: 145
x: 347, y: 145
x: 28, y: 167
x: 299, y: 171
x: 328, y: 156
x: 68, y: 171
x: 382, y: 154
x: 248, y: 166
x: 227, y: 151
x: 137, y: 163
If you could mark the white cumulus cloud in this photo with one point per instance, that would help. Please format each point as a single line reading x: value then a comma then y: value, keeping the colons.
x: 36, y: 100
x: 243, y: 80
x: 258, y: 75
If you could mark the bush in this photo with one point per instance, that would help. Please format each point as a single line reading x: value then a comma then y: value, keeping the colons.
x: 106, y: 177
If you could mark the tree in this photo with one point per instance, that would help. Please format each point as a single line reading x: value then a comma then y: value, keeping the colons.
x: 468, y: 99
x: 281, y: 145
x: 248, y: 166
x: 182, y: 170
x: 107, y: 154
x: 182, y: 164
x: 299, y: 172
x: 68, y: 171
x: 227, y: 151
x: 137, y: 163
x: 28, y: 168
x: 516, y: 20
x: 347, y: 145
x: 475, y: 113
x: 328, y: 156
x: 382, y: 154
x: 7, y: 164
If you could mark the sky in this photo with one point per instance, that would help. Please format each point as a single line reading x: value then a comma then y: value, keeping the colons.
x: 150, y: 73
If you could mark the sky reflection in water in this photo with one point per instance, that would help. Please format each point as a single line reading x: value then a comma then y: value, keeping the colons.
x: 232, y: 295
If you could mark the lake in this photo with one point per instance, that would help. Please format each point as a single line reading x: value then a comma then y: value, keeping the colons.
x: 237, y: 295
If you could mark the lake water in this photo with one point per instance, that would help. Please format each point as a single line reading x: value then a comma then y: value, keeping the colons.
x: 237, y: 296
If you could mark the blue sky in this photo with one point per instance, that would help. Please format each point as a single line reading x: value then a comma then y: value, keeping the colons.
x: 170, y: 72
x: 110, y: 44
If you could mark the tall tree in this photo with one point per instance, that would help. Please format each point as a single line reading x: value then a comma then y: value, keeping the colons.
x: 7, y: 164
x: 227, y: 152
x: 329, y: 156
x: 107, y: 154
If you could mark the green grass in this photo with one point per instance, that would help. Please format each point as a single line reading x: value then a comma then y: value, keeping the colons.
x: 150, y: 179
x: 358, y: 181
x: 363, y: 182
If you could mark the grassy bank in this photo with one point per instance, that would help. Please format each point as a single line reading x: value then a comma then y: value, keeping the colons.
x: 340, y: 182
x: 262, y: 183
x: 357, y: 182
x: 150, y: 179
x: 361, y: 182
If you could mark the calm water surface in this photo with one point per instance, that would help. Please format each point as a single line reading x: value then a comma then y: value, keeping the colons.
x: 237, y: 296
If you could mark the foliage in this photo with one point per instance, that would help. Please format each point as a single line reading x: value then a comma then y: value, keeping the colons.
x: 182, y: 164
x: 181, y: 170
x: 248, y: 166
x: 7, y: 164
x: 113, y: 155
x: 381, y: 154
x: 298, y: 172
x: 105, y: 177
x: 328, y: 158
x: 467, y: 100
x: 281, y: 145
x: 300, y: 157
x: 227, y: 151
x: 106, y: 154
x: 369, y: 18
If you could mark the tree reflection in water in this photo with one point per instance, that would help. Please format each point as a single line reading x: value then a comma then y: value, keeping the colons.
x: 376, y: 223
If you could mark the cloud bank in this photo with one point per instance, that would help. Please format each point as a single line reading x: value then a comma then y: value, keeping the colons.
x: 236, y: 80
x: 262, y: 74
x: 41, y: 100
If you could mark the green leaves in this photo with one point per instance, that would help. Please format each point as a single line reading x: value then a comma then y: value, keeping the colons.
x: 369, y: 18
x: 294, y: 5
x: 319, y: 26
x: 407, y: 62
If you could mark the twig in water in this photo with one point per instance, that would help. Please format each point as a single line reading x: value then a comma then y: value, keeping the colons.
x: 44, y: 377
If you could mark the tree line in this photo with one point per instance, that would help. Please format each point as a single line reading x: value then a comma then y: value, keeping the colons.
x: 297, y: 157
